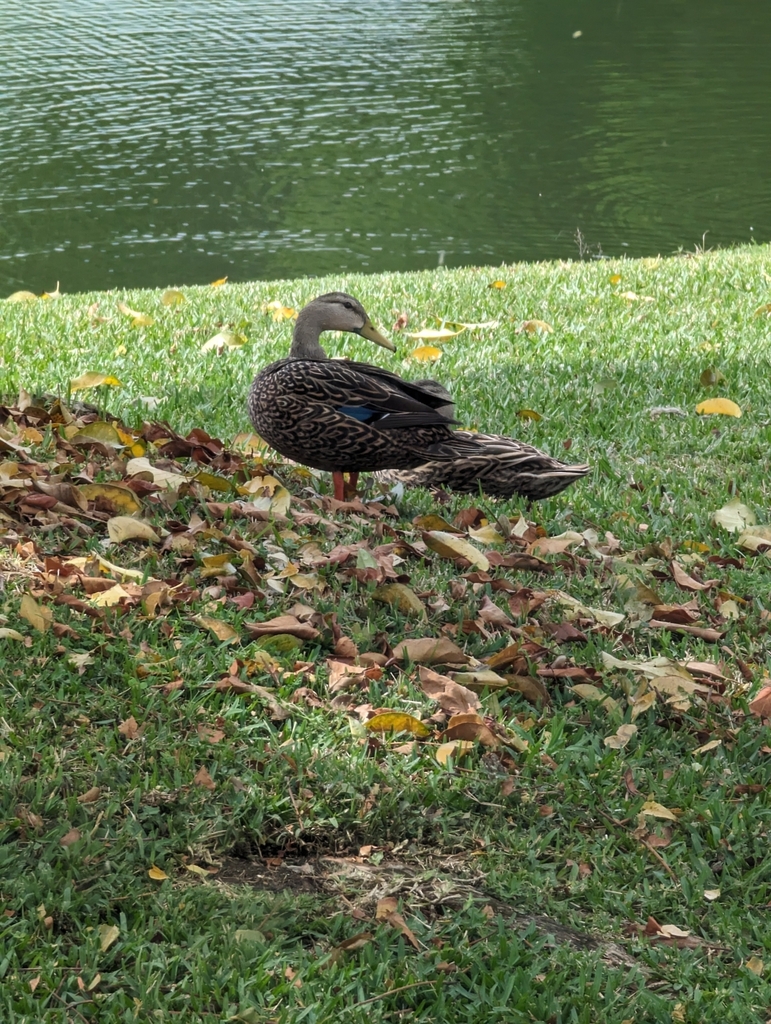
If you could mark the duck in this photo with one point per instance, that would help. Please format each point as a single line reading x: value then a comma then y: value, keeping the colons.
x: 348, y: 417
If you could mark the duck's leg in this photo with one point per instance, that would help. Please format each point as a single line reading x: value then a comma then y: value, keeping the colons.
x: 338, y: 481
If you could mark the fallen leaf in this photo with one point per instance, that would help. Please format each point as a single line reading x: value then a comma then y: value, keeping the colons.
x: 756, y: 965
x: 172, y: 297
x: 209, y: 733
x: 223, y: 340
x: 455, y: 749
x: 121, y: 497
x: 386, y: 911
x: 39, y: 616
x: 656, y: 810
x: 429, y: 334
x: 222, y: 630
x: 686, y: 582
x: 734, y: 516
x: 397, y: 721
x: 760, y: 705
x: 71, y: 837
x: 122, y: 528
x: 755, y: 538
x: 157, y: 874
x: 138, y: 318
x: 289, y: 624
x: 531, y: 326
x: 621, y: 737
x: 90, y: 796
x: 451, y: 696
x: 450, y: 545
x: 202, y: 778
x: 469, y: 726
x: 431, y: 651
x: 401, y: 597
x: 711, y: 895
x: 108, y: 933
x: 718, y: 407
x: 129, y: 728
x: 493, y: 284
x: 94, y: 380
x: 107, y: 598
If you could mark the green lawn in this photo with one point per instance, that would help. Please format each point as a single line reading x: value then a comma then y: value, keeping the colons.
x: 171, y: 848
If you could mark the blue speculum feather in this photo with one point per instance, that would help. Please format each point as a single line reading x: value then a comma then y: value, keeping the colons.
x: 358, y: 412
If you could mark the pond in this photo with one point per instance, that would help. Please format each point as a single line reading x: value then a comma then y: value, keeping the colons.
x: 154, y: 144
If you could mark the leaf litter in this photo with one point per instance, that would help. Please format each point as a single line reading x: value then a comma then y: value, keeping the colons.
x: 239, y: 548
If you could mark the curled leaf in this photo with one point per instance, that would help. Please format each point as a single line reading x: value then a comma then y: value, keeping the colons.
x: 718, y: 407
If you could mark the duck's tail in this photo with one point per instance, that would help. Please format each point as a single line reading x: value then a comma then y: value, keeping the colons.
x: 500, y: 466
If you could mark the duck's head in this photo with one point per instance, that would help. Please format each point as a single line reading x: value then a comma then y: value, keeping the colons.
x: 334, y: 311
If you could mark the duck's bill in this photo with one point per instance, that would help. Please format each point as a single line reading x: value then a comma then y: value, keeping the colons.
x: 369, y: 332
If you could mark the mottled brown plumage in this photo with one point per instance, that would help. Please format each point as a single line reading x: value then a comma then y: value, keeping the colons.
x: 349, y: 417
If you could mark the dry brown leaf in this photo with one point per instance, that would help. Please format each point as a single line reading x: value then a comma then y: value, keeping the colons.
x: 209, y: 733
x: 454, y: 749
x: 686, y: 582
x: 202, y: 778
x: 283, y: 624
x: 386, y: 911
x: 129, y: 728
x: 470, y: 726
x: 90, y: 796
x: 73, y: 836
x: 431, y: 651
x: 451, y: 696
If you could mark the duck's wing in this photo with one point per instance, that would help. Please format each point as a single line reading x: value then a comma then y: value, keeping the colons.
x: 378, y: 397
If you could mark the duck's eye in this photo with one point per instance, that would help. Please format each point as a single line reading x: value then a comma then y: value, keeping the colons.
x: 348, y: 305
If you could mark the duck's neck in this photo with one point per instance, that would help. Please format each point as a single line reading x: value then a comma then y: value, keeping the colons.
x: 305, y: 340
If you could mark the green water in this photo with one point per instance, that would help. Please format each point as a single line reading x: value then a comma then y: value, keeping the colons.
x: 153, y: 143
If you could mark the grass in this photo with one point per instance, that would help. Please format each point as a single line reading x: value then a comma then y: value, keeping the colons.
x: 522, y: 871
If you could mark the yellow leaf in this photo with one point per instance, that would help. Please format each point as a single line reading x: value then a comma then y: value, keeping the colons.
x: 121, y: 528
x: 426, y: 354
x: 278, y: 310
x: 157, y: 874
x: 755, y: 965
x: 455, y: 749
x: 614, y: 278
x: 531, y: 326
x: 758, y: 312
x: 10, y: 634
x: 107, y: 598
x: 214, y: 483
x: 172, y: 297
x: 487, y: 535
x: 621, y: 737
x: 529, y: 414
x: 37, y: 615
x: 588, y: 691
x: 734, y: 516
x: 93, y: 380
x: 222, y: 630
x: 196, y: 869
x: 122, y: 497
x: 642, y: 703
x: 169, y: 481
x: 711, y: 745
x: 431, y: 334
x: 108, y: 933
x: 22, y: 296
x: 138, y: 319
x: 481, y: 326
x: 401, y: 597
x: 718, y: 407
x: 219, y: 282
x: 448, y: 545
x: 497, y: 284
x: 397, y: 721
x: 98, y: 432
x: 223, y: 340
x: 655, y: 810
x: 755, y: 538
